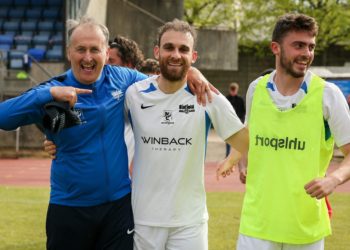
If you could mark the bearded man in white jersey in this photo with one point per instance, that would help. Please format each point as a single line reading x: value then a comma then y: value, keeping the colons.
x: 293, y: 117
x: 171, y: 129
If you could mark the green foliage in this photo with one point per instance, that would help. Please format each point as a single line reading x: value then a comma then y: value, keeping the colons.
x: 255, y: 19
x: 210, y: 13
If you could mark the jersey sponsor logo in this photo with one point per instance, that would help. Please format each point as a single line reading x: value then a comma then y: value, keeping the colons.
x: 280, y: 143
x: 167, y: 141
x: 167, y: 144
x: 146, y: 106
x: 167, y: 117
x: 185, y: 108
x: 117, y: 94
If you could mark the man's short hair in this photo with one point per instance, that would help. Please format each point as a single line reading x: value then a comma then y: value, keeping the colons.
x: 72, y: 24
x: 234, y: 86
x: 130, y: 52
x: 177, y: 25
x: 293, y: 22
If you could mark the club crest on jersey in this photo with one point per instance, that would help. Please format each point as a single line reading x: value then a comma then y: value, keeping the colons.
x: 167, y: 117
x: 185, y: 108
x: 117, y: 94
x: 80, y: 114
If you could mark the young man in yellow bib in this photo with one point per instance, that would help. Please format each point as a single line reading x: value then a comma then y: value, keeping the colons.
x: 294, y: 117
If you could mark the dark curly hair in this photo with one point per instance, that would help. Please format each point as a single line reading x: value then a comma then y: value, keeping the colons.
x: 130, y: 52
x: 293, y: 22
x: 149, y: 66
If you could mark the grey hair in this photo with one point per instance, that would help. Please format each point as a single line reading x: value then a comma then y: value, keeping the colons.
x: 72, y: 24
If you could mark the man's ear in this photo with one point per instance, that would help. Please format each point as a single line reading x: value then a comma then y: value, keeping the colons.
x: 68, y: 53
x: 194, y: 56
x: 275, y: 48
x: 107, y: 55
x: 156, y: 52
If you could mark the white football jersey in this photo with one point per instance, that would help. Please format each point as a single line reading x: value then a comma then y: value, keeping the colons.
x: 170, y: 141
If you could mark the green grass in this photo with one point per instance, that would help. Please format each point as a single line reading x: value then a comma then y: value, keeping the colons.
x: 22, y: 218
x: 23, y: 213
x: 224, y: 213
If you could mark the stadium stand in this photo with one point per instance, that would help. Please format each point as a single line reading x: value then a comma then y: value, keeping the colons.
x: 34, y: 27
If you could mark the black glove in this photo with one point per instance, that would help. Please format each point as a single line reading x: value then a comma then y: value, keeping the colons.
x: 58, y: 115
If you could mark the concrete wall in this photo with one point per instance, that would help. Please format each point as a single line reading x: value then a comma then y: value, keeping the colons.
x: 217, y: 50
x: 97, y: 9
x: 140, y: 22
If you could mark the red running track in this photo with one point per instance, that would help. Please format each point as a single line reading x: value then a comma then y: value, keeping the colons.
x: 36, y: 173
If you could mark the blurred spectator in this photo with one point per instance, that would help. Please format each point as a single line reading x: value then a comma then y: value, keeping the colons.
x: 237, y: 103
x: 149, y: 67
x: 125, y: 52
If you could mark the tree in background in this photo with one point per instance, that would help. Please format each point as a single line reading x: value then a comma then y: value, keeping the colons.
x: 254, y: 19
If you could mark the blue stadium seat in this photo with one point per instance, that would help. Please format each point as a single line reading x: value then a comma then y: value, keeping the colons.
x: 57, y: 47
x: 59, y: 26
x: 50, y: 14
x: 15, y: 54
x: 56, y: 39
x: 22, y: 47
x: 6, y: 47
x: 16, y: 14
x: 27, y: 33
x: 38, y: 2
x: 28, y: 26
x: 55, y: 3
x: 6, y: 2
x: 40, y: 39
x: 37, y: 54
x: 46, y: 26
x: 40, y: 46
x: 54, y: 55
x: 33, y: 14
x: 6, y: 39
x: 10, y: 26
x: 3, y: 12
x: 24, y: 3
x: 15, y: 63
x: 23, y: 39
x: 15, y: 59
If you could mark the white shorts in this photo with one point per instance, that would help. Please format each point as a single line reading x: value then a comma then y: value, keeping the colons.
x: 250, y: 243
x: 171, y: 238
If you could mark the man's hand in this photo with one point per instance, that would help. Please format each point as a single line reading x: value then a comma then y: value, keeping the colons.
x: 226, y: 166
x: 242, y: 173
x: 50, y: 148
x: 321, y: 187
x: 67, y: 94
x: 200, y: 86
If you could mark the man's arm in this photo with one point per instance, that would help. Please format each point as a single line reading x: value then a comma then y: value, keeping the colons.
x: 322, y: 187
x: 24, y: 109
x: 27, y: 108
x: 239, y: 143
x: 200, y: 86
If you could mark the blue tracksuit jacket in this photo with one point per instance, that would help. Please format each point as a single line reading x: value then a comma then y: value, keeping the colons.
x: 91, y: 166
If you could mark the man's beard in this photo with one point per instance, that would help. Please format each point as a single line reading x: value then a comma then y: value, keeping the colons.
x: 173, y: 74
x: 288, y: 65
